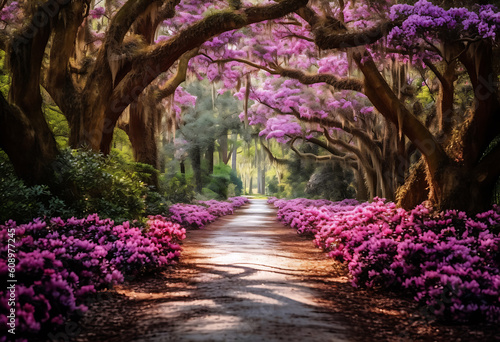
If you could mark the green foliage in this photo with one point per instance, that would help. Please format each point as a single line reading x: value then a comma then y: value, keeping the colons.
x: 207, y: 194
x: 90, y: 182
x: 224, y: 182
x: 87, y: 182
x: 238, y: 184
x: 178, y: 189
x: 58, y: 124
x: 299, y: 173
x: 274, y: 188
x: 304, y: 178
x: 425, y: 97
x: 4, y: 76
x: 231, y: 190
x: 220, y: 180
x: 121, y: 145
x: 156, y: 203
x: 21, y: 203
x: 331, y: 182
x: 145, y: 172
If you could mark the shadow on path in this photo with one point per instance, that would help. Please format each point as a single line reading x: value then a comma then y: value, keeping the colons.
x: 247, y: 287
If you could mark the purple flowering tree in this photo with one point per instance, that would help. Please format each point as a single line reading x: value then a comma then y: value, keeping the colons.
x: 93, y: 76
x: 459, y: 154
x: 388, y: 54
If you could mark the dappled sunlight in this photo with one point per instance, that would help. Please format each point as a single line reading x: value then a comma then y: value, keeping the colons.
x: 216, y: 322
x: 149, y: 296
x: 256, y: 298
x: 247, y: 283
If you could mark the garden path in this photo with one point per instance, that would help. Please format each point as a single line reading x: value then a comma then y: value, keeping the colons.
x: 249, y: 287
x: 245, y: 277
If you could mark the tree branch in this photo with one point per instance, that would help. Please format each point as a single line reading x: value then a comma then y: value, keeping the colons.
x: 122, y: 21
x: 364, y: 138
x: 388, y: 104
x: 317, y: 158
x: 435, y: 70
x: 334, y: 81
x: 171, y: 85
x: 362, y: 158
x: 58, y: 81
x: 160, y: 58
x: 244, y: 61
x: 326, y: 38
x: 271, y: 156
x: 302, y: 77
x: 299, y: 37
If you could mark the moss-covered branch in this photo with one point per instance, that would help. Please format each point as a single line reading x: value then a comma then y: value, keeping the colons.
x: 160, y: 58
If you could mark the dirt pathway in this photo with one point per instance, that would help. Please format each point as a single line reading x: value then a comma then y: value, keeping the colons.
x: 242, y: 278
x: 248, y: 287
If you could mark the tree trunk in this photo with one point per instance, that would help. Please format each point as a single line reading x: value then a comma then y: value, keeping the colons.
x: 361, y: 189
x: 445, y: 101
x: 415, y: 190
x: 196, y: 163
x: 26, y: 136
x: 223, y: 148
x: 31, y: 149
x: 234, y: 153
x: 259, y: 178
x: 263, y: 181
x: 210, y: 156
x: 142, y: 135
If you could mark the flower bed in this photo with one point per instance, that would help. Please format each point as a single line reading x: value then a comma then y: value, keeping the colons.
x: 199, y: 215
x: 447, y: 261
x: 61, y: 262
x: 307, y: 216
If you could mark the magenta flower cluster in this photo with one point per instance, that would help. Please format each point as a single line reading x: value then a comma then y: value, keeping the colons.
x: 10, y: 13
x: 97, y: 12
x: 61, y: 262
x: 199, y: 215
x: 312, y: 213
x: 449, y: 262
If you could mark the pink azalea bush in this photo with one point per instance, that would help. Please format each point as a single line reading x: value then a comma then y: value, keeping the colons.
x: 218, y: 208
x: 311, y: 216
x: 238, y: 201
x: 199, y: 215
x: 61, y: 262
x: 449, y: 262
x: 191, y: 215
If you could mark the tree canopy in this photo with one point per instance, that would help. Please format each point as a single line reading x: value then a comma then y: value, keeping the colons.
x: 404, y: 95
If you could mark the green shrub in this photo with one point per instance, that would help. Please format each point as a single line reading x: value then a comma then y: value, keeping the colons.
x: 238, y: 184
x: 274, y: 188
x: 90, y: 182
x: 22, y: 203
x: 220, y: 180
x: 156, y: 204
x: 206, y: 195
x: 231, y: 190
x: 178, y: 189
